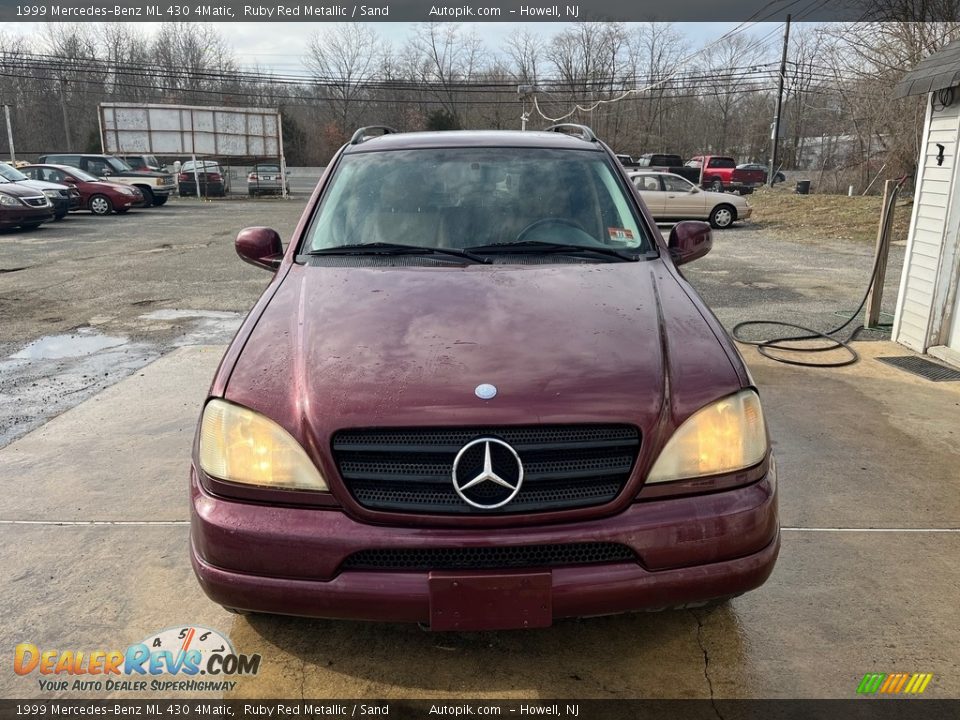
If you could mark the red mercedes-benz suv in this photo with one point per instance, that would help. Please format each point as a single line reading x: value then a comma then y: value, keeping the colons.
x: 478, y: 394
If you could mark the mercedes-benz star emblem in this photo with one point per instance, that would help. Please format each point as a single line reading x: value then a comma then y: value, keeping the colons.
x: 487, y: 473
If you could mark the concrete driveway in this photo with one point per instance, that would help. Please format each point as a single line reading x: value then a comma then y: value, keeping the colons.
x: 93, y: 549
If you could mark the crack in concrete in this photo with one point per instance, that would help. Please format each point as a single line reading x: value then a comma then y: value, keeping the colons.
x: 303, y: 677
x: 706, y: 664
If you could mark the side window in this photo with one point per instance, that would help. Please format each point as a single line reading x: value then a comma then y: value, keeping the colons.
x: 647, y: 183
x: 674, y: 184
x: 30, y: 173
x: 54, y: 175
x: 95, y: 167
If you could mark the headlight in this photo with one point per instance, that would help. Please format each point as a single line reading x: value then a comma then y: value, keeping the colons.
x: 241, y: 446
x: 129, y: 191
x: 725, y: 436
x: 51, y: 193
x: 8, y: 200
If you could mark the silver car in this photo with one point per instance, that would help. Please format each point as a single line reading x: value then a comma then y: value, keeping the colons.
x: 670, y: 197
x: 266, y: 179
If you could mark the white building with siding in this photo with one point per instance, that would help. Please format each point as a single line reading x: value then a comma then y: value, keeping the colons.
x: 928, y: 307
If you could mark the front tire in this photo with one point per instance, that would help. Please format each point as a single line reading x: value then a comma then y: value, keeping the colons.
x: 147, y: 196
x: 30, y: 226
x: 159, y: 200
x: 100, y: 205
x: 723, y: 216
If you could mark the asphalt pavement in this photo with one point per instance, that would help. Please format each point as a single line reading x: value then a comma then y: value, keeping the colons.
x: 93, y: 532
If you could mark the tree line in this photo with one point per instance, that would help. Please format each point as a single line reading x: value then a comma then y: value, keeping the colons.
x: 643, y: 87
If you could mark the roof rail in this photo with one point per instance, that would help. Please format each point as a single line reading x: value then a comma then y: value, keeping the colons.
x: 582, y: 131
x: 362, y: 134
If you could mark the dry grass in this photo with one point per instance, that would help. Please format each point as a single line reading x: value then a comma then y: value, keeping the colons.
x: 825, y: 217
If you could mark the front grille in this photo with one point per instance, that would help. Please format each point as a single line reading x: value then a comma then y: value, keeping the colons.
x: 490, y: 558
x: 35, y: 201
x: 410, y: 469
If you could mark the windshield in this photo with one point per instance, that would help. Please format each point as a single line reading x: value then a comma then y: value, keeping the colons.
x: 11, y: 174
x: 472, y: 197
x: 84, y: 176
x: 189, y: 165
x: 118, y: 165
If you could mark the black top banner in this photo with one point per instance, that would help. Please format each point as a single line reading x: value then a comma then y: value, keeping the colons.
x: 474, y: 11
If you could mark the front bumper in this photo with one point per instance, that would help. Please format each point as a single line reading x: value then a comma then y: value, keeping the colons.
x: 744, y: 213
x: 12, y: 217
x: 287, y: 560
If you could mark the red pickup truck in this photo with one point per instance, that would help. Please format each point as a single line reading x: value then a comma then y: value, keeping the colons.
x: 722, y: 173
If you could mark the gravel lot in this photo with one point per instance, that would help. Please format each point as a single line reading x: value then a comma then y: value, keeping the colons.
x: 105, y: 296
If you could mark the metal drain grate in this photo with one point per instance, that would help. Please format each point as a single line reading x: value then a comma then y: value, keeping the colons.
x: 923, y: 367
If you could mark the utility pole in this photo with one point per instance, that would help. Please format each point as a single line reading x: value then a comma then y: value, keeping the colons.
x: 13, y: 153
x: 775, y: 135
x: 66, y: 116
x: 524, y: 91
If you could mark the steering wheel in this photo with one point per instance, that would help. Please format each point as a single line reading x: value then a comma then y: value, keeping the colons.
x: 549, y: 221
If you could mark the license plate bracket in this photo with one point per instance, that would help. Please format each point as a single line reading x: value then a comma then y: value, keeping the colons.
x: 490, y: 601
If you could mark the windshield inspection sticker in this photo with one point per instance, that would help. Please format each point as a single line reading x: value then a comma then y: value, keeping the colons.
x: 620, y: 233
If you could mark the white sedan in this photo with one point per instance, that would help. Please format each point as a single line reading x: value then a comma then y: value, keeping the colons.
x: 671, y: 197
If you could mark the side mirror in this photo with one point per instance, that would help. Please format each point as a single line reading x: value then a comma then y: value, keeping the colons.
x: 689, y: 241
x: 260, y: 246
x: 693, y: 189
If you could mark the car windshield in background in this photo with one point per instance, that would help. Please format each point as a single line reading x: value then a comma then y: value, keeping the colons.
x: 118, y: 165
x: 11, y: 174
x: 477, y: 197
x: 201, y: 166
x: 83, y: 176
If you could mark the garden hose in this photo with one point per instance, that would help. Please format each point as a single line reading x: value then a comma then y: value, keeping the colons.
x: 765, y: 346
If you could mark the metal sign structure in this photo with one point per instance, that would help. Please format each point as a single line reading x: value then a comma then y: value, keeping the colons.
x: 215, y: 132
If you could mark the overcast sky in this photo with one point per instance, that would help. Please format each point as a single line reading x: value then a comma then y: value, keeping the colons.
x: 282, y: 45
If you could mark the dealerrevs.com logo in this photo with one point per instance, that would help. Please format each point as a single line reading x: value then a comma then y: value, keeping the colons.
x: 182, y: 659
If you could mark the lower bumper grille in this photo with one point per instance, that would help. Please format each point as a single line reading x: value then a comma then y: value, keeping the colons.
x: 490, y: 558
x: 410, y: 469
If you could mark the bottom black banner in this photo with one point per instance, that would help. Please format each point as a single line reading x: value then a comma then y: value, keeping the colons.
x: 857, y: 709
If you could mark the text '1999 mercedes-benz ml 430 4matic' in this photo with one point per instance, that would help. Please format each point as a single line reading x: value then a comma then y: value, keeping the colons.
x: 478, y: 394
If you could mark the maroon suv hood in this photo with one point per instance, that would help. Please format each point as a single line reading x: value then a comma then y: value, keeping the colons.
x: 354, y: 347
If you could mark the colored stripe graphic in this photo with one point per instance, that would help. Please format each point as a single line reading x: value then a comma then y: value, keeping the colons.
x: 871, y: 683
x: 894, y: 683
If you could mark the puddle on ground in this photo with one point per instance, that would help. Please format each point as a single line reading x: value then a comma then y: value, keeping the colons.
x: 206, y: 327
x: 57, y: 372
x: 83, y: 342
x: 181, y: 314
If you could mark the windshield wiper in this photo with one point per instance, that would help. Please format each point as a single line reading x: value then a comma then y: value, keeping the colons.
x: 541, y: 246
x: 385, y: 248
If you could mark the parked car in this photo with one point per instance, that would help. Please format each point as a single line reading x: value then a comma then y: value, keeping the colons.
x: 671, y: 197
x: 721, y: 173
x: 265, y: 179
x: 155, y: 187
x: 214, y: 182
x: 664, y: 162
x: 97, y: 196
x: 777, y: 178
x: 479, y: 394
x: 63, y: 197
x: 144, y: 162
x: 23, y: 207
x: 626, y: 161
